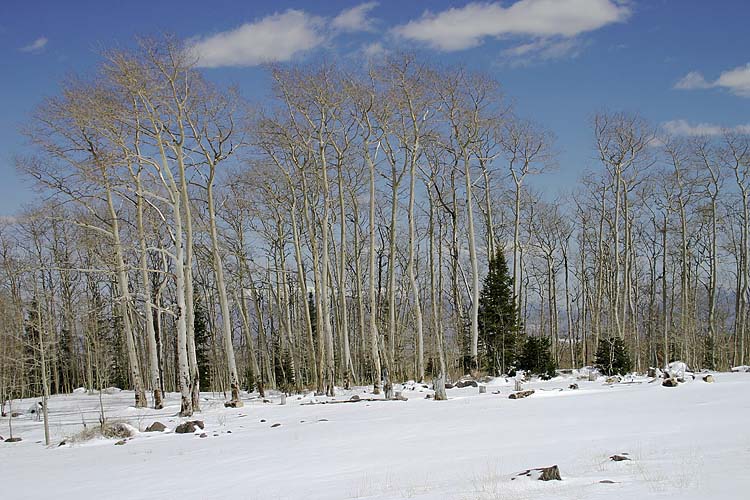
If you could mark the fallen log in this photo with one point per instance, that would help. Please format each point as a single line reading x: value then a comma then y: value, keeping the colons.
x: 521, y: 394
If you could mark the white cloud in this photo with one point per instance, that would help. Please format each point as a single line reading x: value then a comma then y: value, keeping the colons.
x: 355, y: 18
x: 35, y: 46
x: 693, y: 80
x: 736, y: 80
x: 685, y: 128
x: 278, y: 37
x: 465, y: 27
x: 374, y: 50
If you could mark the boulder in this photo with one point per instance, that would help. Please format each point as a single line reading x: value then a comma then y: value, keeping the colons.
x: 618, y: 458
x: 121, y: 442
x: 203, y: 435
x: 156, y: 427
x: 234, y: 403
x: 189, y: 427
x: 615, y: 379
x: 13, y: 440
x: 709, y: 378
x: 466, y: 383
x: 355, y: 398
x: 670, y: 382
x: 482, y: 389
x: 521, y: 394
x: 573, y: 386
x: 276, y: 425
x: 449, y: 385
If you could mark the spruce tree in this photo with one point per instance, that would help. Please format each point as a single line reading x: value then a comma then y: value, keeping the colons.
x: 202, y: 343
x: 535, y: 357
x: 498, y: 317
x: 612, y: 357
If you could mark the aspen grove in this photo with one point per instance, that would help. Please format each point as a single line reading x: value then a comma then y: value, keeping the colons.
x: 337, y: 233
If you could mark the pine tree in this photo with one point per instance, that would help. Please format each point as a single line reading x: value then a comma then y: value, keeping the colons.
x: 498, y: 317
x: 535, y: 357
x: 202, y: 343
x: 612, y: 357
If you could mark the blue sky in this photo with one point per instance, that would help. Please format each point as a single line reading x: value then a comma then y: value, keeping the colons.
x: 683, y: 64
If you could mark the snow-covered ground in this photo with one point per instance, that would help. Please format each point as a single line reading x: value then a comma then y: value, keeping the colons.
x: 688, y: 442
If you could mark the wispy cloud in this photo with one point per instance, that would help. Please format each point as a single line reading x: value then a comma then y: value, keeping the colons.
x: 278, y: 37
x: 355, y: 19
x: 736, y: 80
x: 685, y: 128
x: 36, y: 46
x: 374, y: 50
x: 466, y: 27
x: 541, y: 50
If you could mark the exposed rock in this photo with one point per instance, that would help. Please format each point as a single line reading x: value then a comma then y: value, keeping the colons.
x: 670, y: 382
x: 323, y: 420
x: 618, y: 458
x: 354, y: 398
x: 276, y: 425
x: 188, y: 427
x: 449, y: 385
x: 262, y: 420
x: 573, y: 386
x: 607, y: 481
x: 121, y: 442
x: 428, y: 396
x: 709, y: 379
x: 15, y: 414
x: 482, y: 389
x: 203, y: 435
x: 267, y: 401
x: 156, y: 427
x: 551, y: 473
x: 466, y: 383
x: 13, y: 440
x: 613, y: 380
x: 62, y: 443
x: 521, y: 394
x: 234, y: 403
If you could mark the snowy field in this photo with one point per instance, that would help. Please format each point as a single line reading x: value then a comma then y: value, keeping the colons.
x: 688, y: 442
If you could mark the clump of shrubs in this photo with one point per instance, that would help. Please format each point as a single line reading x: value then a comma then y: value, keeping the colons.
x: 108, y: 430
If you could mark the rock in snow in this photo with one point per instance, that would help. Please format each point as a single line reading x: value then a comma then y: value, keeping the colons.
x: 156, y: 427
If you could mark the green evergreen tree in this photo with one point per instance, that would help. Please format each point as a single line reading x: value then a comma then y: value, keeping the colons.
x: 612, y: 357
x: 498, y: 317
x: 536, y: 358
x: 202, y: 343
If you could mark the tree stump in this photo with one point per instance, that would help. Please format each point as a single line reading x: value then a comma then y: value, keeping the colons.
x: 551, y: 473
x: 482, y: 389
x: 519, y: 386
x: 439, y: 385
